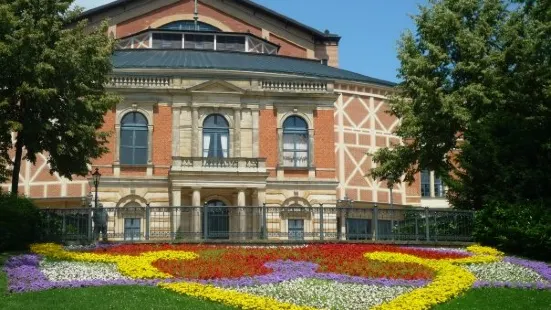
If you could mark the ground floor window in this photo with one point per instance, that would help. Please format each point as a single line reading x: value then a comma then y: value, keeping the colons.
x: 132, y: 229
x: 296, y: 229
x: 358, y: 229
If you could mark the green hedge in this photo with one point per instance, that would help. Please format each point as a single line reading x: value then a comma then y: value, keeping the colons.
x: 19, y: 222
x: 522, y: 229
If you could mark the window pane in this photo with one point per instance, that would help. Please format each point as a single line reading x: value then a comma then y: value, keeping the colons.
x: 195, y: 41
x: 140, y: 156
x: 425, y: 183
x: 167, y: 40
x: 301, y: 159
x: 230, y: 43
x: 127, y: 137
x: 126, y: 155
x: 301, y: 142
x: 288, y: 159
x: 140, y: 138
x: 288, y: 141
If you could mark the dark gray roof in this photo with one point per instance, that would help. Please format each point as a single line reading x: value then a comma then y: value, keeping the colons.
x: 319, y: 34
x: 199, y: 59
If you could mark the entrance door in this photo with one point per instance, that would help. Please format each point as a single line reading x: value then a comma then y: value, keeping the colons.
x: 358, y: 229
x: 132, y: 228
x: 296, y: 229
x: 218, y: 220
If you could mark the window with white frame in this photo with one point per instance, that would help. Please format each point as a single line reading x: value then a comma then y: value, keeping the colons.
x: 216, y: 134
x: 134, y: 139
x: 295, y: 142
x: 425, y: 183
x: 439, y: 190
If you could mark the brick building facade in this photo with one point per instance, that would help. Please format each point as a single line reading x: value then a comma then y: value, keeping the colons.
x: 246, y: 108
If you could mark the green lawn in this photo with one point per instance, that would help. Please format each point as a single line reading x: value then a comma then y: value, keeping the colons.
x: 500, y: 299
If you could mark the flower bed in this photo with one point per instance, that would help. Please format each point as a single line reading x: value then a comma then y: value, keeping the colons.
x: 332, y: 276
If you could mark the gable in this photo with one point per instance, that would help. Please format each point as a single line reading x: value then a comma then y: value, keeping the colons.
x: 216, y: 86
x: 131, y: 16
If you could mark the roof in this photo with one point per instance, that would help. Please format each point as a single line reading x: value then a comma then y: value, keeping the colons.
x: 319, y: 34
x: 233, y: 61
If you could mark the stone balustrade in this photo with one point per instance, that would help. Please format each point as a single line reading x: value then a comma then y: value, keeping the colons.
x: 212, y: 164
x: 296, y: 86
x: 140, y: 81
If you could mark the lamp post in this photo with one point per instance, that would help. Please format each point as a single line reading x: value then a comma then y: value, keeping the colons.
x: 96, y: 177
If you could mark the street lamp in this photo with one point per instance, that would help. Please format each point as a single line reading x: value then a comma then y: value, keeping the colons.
x: 96, y: 177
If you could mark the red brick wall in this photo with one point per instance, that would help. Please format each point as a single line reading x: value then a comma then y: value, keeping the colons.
x: 288, y: 48
x: 184, y: 7
x: 162, y: 139
x: 268, y: 137
x: 324, y: 140
x: 108, y: 158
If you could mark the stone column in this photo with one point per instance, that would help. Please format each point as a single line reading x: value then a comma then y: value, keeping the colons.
x: 237, y: 132
x: 195, y: 133
x: 432, y: 193
x: 241, y: 203
x: 175, y: 220
x: 255, y: 120
x: 196, y: 213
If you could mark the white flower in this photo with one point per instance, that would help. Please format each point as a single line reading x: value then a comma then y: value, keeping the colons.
x: 57, y: 271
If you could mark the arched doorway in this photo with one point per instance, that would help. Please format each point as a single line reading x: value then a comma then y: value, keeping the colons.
x: 218, y: 220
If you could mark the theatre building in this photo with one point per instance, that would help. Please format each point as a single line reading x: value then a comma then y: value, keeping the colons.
x: 243, y: 107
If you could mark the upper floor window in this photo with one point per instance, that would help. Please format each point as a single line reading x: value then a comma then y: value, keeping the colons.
x: 439, y: 190
x: 216, y: 134
x: 295, y: 142
x: 134, y: 139
x: 189, y: 25
x: 425, y: 183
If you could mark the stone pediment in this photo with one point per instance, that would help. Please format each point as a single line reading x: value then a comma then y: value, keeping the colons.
x: 216, y: 87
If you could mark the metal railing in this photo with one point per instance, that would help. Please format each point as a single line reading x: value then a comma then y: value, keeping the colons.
x: 293, y: 224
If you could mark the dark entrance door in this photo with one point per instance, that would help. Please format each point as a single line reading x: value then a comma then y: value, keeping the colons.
x: 132, y: 229
x: 358, y: 229
x: 218, y: 220
x: 296, y: 229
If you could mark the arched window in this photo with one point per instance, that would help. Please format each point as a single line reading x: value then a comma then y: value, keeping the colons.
x: 216, y: 134
x: 295, y: 142
x: 134, y: 139
x: 189, y: 25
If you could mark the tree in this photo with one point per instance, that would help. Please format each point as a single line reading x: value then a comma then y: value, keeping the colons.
x: 475, y: 100
x: 52, y: 95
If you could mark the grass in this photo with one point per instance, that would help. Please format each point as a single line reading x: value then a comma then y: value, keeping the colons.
x: 105, y: 297
x: 500, y: 299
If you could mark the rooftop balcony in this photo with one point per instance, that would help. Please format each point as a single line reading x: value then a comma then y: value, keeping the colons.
x: 213, y: 164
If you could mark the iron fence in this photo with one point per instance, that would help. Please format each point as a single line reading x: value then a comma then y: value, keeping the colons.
x: 293, y: 224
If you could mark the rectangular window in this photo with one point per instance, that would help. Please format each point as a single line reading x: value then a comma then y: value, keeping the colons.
x: 295, y: 150
x: 199, y: 41
x: 296, y: 229
x: 230, y: 43
x: 425, y: 183
x: 439, y: 187
x: 167, y: 40
x: 358, y: 229
x: 132, y: 229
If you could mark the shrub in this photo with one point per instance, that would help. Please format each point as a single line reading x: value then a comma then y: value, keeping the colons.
x: 19, y: 222
x: 522, y: 229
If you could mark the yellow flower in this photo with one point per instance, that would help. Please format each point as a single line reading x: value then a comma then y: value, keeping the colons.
x: 137, y: 267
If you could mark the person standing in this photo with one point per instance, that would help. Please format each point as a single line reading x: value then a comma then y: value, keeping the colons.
x: 100, y: 223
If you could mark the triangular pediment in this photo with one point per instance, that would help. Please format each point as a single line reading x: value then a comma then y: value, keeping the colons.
x: 216, y: 87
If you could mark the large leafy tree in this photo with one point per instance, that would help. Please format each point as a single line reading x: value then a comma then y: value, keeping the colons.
x: 475, y: 100
x: 52, y: 95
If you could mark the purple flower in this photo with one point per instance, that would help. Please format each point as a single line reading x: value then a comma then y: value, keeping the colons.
x: 541, y: 268
x: 24, y: 275
x: 525, y: 285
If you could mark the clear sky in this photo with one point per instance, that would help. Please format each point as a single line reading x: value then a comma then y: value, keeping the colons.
x: 370, y: 29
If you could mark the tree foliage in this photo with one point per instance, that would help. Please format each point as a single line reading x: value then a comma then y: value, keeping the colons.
x: 52, y: 95
x: 475, y: 100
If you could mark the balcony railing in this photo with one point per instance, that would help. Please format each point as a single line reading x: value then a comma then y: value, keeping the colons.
x: 215, y: 164
x: 297, y: 86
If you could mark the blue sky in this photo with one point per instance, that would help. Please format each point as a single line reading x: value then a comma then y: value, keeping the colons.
x: 370, y: 29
